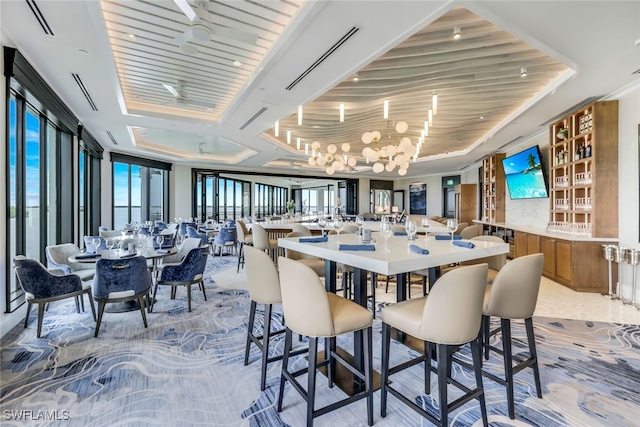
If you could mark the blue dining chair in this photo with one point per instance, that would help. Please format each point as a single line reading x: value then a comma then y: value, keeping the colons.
x: 42, y: 286
x: 226, y: 238
x: 121, y: 280
x: 192, y: 232
x: 91, y: 248
x: 189, y: 272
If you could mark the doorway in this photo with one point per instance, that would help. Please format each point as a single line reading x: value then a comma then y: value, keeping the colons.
x: 448, y: 195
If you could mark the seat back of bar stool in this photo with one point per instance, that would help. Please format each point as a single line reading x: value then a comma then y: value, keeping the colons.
x: 262, y: 277
x: 453, y: 310
x: 260, y: 237
x: 305, y: 304
x: 514, y: 291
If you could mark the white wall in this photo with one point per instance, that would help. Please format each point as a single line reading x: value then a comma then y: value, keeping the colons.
x: 532, y: 212
x: 628, y: 187
x: 180, y: 189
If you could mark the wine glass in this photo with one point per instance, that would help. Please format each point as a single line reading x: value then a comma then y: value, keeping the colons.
x: 322, y: 223
x: 110, y: 244
x: 159, y: 240
x: 411, y: 229
x: 360, y: 224
x: 96, y: 244
x: 337, y: 225
x: 426, y: 224
x: 452, y: 226
x: 385, y: 232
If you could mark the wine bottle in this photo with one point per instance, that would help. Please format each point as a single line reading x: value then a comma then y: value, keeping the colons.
x: 581, y: 148
x: 576, y: 155
x: 587, y: 150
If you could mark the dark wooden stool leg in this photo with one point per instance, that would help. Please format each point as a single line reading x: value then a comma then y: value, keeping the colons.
x: 508, y: 365
x: 534, y: 355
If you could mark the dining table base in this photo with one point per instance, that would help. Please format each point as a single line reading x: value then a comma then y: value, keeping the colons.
x: 343, y: 378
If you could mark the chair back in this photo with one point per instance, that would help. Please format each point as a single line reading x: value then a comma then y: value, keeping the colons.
x: 350, y: 228
x: 495, y: 262
x: 58, y: 256
x: 245, y: 230
x: 193, y: 233
x: 305, y: 304
x: 470, y: 231
x: 160, y: 224
x: 291, y: 254
x: 190, y: 269
x: 167, y: 241
x: 103, y: 228
x: 262, y: 277
x: 226, y: 234
x: 260, y: 237
x: 461, y: 227
x: 453, y: 310
x: 514, y: 291
x: 91, y: 248
x: 299, y: 228
x: 116, y: 278
x: 144, y: 231
x: 109, y: 233
x: 182, y: 228
x: 186, y: 245
x: 240, y: 231
x: 39, y: 283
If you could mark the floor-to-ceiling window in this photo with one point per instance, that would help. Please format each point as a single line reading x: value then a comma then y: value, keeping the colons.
x: 220, y: 198
x: 140, y: 190
x: 270, y: 200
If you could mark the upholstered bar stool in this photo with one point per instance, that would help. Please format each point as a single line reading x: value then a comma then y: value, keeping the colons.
x: 264, y: 288
x: 310, y: 310
x: 244, y: 238
x: 315, y: 263
x: 450, y: 316
x: 513, y: 295
x: 262, y: 241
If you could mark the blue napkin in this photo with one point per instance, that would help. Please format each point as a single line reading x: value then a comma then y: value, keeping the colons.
x: 443, y: 237
x: 133, y: 255
x: 345, y: 247
x: 87, y: 256
x: 399, y: 233
x: 464, y: 244
x: 419, y: 250
x: 318, y: 239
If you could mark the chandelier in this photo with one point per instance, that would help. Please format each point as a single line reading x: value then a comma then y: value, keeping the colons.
x: 394, y: 155
x: 332, y: 160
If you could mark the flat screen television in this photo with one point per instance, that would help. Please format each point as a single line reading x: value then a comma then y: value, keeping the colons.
x: 525, y: 175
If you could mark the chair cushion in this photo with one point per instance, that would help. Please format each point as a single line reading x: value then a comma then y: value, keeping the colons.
x: 316, y: 265
x: 347, y: 315
x: 248, y: 240
x: 85, y: 274
x: 491, y: 276
x: 405, y: 316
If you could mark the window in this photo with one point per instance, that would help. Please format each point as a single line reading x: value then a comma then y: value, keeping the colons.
x: 270, y: 200
x: 140, y: 190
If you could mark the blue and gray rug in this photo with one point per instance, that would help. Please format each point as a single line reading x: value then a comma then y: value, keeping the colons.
x: 187, y: 369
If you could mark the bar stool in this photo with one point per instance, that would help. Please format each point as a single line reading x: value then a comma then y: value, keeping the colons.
x: 264, y: 288
x: 315, y: 263
x: 450, y: 316
x: 262, y: 241
x: 316, y: 313
x: 513, y: 295
x: 244, y: 238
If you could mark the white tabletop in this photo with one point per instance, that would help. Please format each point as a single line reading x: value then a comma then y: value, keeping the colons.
x: 118, y: 253
x: 400, y: 259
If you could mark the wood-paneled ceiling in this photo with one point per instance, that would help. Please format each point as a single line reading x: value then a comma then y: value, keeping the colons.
x: 231, y: 92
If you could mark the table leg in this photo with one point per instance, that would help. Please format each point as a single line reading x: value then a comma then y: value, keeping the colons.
x: 330, y: 276
x: 401, y: 295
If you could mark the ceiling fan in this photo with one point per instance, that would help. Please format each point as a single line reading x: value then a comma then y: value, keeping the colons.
x: 202, y: 29
x: 183, y: 100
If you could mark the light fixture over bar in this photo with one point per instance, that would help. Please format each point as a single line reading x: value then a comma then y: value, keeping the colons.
x: 297, y: 143
x: 434, y: 102
x: 306, y: 149
x: 289, y: 136
x: 426, y: 127
x: 299, y: 115
x: 277, y: 130
x: 430, y: 115
x: 385, y: 111
x: 341, y: 112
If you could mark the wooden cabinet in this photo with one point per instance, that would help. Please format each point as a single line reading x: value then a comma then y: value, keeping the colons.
x: 493, y: 189
x: 584, y: 171
x: 576, y: 264
x: 466, y: 202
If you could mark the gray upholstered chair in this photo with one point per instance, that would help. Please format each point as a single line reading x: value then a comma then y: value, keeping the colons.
x: 105, y: 234
x: 470, y: 231
x: 513, y: 296
x: 41, y: 286
x: 91, y: 248
x: 184, y: 248
x: 189, y: 272
x: 244, y: 238
x: 450, y: 316
x: 310, y: 310
x: 121, y: 280
x: 262, y: 241
x: 315, y: 263
x: 58, y: 258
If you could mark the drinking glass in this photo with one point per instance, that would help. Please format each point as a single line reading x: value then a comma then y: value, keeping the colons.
x: 322, y: 223
x: 360, y: 223
x: 337, y: 225
x: 96, y: 243
x: 426, y: 224
x: 452, y: 226
x: 411, y: 229
x: 110, y: 244
x: 385, y: 232
x: 159, y: 241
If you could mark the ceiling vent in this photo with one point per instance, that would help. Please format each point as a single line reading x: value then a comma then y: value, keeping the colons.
x: 570, y: 110
x: 40, y: 17
x: 512, y: 142
x: 255, y: 116
x: 112, y: 138
x: 84, y: 91
x: 324, y: 56
x: 636, y: 71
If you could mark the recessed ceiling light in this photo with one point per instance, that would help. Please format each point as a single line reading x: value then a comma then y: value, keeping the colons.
x: 132, y: 37
x: 481, y: 117
x: 237, y: 64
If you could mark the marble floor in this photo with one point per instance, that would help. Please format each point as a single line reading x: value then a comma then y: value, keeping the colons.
x: 556, y: 300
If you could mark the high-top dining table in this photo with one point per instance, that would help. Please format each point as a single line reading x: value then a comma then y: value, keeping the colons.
x: 398, y: 261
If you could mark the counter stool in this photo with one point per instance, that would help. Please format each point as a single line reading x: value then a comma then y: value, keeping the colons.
x: 450, y: 316
x: 513, y: 295
x: 262, y: 241
x: 244, y: 238
x: 316, y: 313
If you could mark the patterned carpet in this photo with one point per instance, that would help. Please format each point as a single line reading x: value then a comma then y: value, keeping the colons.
x: 186, y: 369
